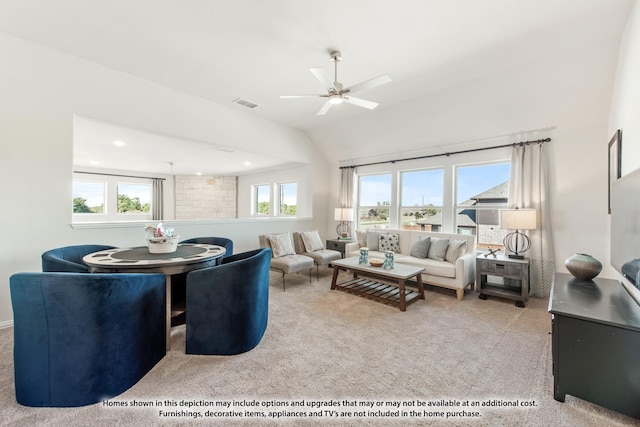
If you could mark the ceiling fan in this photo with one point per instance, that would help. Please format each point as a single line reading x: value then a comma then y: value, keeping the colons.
x: 336, y: 93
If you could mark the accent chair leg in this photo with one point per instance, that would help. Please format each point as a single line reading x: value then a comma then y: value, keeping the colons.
x: 460, y: 294
x: 310, y: 271
x: 284, y: 287
x: 318, y: 272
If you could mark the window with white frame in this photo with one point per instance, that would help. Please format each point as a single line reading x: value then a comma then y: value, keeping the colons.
x: 374, y: 201
x: 134, y: 199
x: 262, y: 199
x: 106, y: 197
x: 89, y: 197
x: 287, y: 198
x: 421, y: 199
x: 481, y: 191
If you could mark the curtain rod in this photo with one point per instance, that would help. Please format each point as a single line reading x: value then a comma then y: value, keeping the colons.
x: 447, y: 154
x: 122, y: 176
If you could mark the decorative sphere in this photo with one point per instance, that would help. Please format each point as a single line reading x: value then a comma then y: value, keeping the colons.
x: 583, y: 266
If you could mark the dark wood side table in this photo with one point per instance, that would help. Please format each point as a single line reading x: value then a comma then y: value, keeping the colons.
x: 513, y: 275
x: 338, y: 245
x: 595, y: 343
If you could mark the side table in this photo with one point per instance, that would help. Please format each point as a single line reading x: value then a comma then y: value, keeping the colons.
x: 338, y: 245
x: 503, y: 277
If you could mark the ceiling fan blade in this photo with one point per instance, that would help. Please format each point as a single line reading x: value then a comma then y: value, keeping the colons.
x: 360, y: 102
x: 324, y: 79
x: 324, y: 108
x: 376, y: 81
x: 300, y: 96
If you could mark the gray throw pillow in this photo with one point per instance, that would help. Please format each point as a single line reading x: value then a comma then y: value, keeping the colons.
x: 438, y: 248
x: 455, y: 250
x: 420, y: 248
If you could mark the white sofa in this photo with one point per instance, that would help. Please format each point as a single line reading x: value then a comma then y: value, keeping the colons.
x: 452, y: 275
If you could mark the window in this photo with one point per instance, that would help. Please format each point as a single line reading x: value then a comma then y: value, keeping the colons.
x: 262, y: 199
x: 88, y: 197
x: 134, y: 198
x: 481, y: 190
x: 288, y: 198
x: 374, y: 201
x: 107, y: 198
x: 421, y: 199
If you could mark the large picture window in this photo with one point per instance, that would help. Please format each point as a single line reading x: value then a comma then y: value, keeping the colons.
x: 481, y: 191
x: 421, y: 199
x: 374, y: 194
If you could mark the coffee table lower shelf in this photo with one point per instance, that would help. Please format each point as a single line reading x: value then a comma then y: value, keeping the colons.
x: 377, y: 291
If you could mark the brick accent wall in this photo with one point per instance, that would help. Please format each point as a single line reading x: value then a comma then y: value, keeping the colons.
x: 205, y: 197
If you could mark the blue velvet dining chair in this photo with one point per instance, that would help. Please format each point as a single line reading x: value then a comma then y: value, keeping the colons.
x: 227, y: 305
x: 82, y: 338
x: 69, y: 258
x: 218, y: 241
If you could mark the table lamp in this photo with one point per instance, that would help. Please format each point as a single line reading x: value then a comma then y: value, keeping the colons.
x: 517, y: 219
x: 344, y: 215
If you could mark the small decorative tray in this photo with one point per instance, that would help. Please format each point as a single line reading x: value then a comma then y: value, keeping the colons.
x: 376, y: 262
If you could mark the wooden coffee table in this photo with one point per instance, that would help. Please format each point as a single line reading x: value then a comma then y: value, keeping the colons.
x: 379, y: 284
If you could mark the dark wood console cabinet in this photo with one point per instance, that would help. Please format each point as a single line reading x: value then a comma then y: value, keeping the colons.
x: 596, y: 343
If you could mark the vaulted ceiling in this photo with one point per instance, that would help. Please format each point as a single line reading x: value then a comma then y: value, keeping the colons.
x: 460, y: 69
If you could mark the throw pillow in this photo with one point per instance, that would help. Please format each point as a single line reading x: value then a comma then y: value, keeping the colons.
x: 373, y: 240
x: 281, y: 245
x: 389, y: 242
x: 438, y: 248
x: 312, y: 241
x: 420, y: 248
x: 455, y: 250
x: 362, y: 238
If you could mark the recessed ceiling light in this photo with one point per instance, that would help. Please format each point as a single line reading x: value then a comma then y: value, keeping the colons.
x: 118, y: 143
x: 94, y: 162
x: 198, y: 173
x: 247, y: 163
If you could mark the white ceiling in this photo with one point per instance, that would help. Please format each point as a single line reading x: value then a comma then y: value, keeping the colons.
x: 259, y: 49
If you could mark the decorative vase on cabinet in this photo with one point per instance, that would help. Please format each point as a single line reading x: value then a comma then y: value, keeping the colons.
x: 583, y: 266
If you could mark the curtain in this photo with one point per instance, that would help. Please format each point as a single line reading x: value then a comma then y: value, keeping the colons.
x: 346, y: 187
x: 157, y: 201
x: 529, y: 188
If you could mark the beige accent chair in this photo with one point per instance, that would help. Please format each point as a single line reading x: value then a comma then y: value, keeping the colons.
x: 320, y: 257
x: 286, y: 261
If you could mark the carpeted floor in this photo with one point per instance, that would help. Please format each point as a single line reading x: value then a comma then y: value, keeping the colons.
x: 330, y: 358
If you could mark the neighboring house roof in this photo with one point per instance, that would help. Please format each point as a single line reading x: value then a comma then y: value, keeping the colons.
x: 467, y: 217
x: 500, y: 191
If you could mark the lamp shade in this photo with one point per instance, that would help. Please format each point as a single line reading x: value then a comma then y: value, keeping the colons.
x: 343, y: 214
x: 518, y: 219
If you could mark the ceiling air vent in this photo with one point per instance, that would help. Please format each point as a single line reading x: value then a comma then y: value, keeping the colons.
x: 244, y: 102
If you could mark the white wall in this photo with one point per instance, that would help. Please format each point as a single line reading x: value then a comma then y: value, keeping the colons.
x: 41, y: 91
x: 625, y: 104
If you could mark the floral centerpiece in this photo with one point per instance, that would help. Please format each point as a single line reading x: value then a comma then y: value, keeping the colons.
x: 160, y: 240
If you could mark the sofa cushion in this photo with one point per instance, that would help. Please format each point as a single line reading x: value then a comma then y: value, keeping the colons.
x: 455, y: 250
x: 420, y: 248
x: 312, y: 241
x: 438, y: 248
x: 440, y: 268
x: 361, y: 235
x: 281, y: 245
x: 389, y: 242
x: 372, y: 240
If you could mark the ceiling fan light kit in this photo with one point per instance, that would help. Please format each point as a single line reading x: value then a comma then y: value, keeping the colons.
x: 335, y: 92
